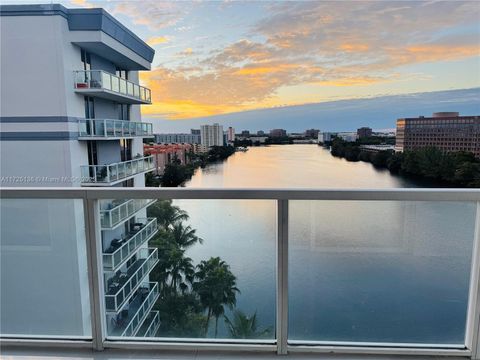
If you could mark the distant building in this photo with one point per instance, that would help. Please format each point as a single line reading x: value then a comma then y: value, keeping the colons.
x: 230, y: 134
x: 445, y: 130
x: 261, y: 133
x: 199, y: 148
x: 177, y: 139
x: 278, y: 133
x: 377, y: 148
x: 211, y: 135
x: 195, y: 131
x: 245, y: 133
x: 347, y: 136
x: 166, y: 153
x: 325, y: 137
x: 364, y: 132
x: 312, y: 133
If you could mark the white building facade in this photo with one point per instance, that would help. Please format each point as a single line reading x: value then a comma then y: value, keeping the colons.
x: 70, y: 116
x: 211, y: 135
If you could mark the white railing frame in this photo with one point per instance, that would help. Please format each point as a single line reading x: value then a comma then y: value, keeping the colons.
x: 124, y: 124
x: 281, y: 345
x: 87, y: 75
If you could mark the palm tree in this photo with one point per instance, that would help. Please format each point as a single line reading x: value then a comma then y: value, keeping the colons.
x: 180, y: 271
x: 167, y: 214
x: 216, y: 288
x: 184, y: 236
x: 244, y: 327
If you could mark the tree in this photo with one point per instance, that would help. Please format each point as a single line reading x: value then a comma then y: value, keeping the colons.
x: 180, y: 270
x: 245, y: 327
x: 216, y: 287
x: 184, y: 236
x: 167, y: 214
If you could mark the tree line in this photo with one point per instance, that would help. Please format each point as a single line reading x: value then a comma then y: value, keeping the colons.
x: 193, y: 298
x: 176, y: 174
x: 459, y: 169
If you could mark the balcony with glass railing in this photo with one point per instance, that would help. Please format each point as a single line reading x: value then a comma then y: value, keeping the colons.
x: 123, y: 249
x: 108, y: 86
x: 123, y: 285
x: 110, y: 129
x: 130, y: 321
x: 150, y: 326
x: 110, y: 174
x: 375, y: 273
x: 118, y: 211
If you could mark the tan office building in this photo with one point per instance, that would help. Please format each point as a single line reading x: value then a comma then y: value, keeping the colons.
x: 445, y: 130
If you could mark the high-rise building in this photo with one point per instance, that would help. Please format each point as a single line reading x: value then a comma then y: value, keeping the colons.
x: 195, y: 131
x: 71, y: 117
x: 364, y: 132
x: 230, y: 134
x: 245, y: 133
x: 312, y: 133
x: 446, y: 131
x: 261, y: 133
x: 278, y: 133
x: 211, y: 135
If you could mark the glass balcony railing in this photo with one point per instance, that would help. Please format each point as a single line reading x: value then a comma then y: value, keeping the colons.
x: 98, y: 81
x: 106, y: 128
x: 150, y: 326
x: 122, y: 286
x: 109, y: 173
x: 360, y: 271
x: 120, y: 251
x: 138, y: 310
x: 120, y: 210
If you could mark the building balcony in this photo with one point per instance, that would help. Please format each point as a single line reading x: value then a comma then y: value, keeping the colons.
x: 104, y: 85
x: 150, y: 326
x: 111, y: 174
x: 107, y: 129
x: 390, y: 273
x: 129, y: 321
x: 123, y: 285
x: 119, y: 211
x: 122, y: 250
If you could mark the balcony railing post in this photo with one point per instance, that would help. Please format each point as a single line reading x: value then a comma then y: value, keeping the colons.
x: 94, y: 269
x: 473, y: 319
x: 282, y: 277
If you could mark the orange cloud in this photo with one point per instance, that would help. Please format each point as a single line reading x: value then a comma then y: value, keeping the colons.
x: 354, y: 47
x: 156, y: 40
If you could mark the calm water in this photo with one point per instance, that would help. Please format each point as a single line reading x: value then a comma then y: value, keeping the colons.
x: 359, y: 271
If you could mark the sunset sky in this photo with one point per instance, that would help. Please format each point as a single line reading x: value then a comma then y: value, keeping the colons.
x: 221, y: 57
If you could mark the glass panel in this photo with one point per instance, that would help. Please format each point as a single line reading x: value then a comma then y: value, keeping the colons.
x: 130, y: 88
x: 100, y: 127
x: 115, y: 84
x: 123, y: 86
x: 44, y: 281
x: 82, y: 128
x: 217, y: 254
x: 106, y: 80
x: 110, y: 127
x: 95, y: 79
x: 373, y: 271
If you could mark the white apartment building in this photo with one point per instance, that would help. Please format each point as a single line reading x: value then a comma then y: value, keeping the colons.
x: 70, y: 116
x: 211, y: 135
x: 231, y: 134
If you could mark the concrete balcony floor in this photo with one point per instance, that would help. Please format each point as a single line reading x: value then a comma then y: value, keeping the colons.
x: 20, y: 353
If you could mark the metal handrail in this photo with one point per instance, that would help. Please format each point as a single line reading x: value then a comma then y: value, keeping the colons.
x: 100, y: 79
x: 133, y: 283
x: 104, y: 128
x: 110, y: 218
x: 111, y: 261
x: 142, y: 312
x: 108, y: 173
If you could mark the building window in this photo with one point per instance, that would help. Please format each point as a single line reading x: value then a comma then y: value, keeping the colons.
x: 121, y: 73
x: 89, y: 107
x: 123, y: 111
x: 92, y: 153
x: 126, y: 149
x: 86, y: 61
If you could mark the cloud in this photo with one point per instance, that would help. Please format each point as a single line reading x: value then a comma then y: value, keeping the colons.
x: 324, y: 44
x: 156, y: 40
x: 154, y: 14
